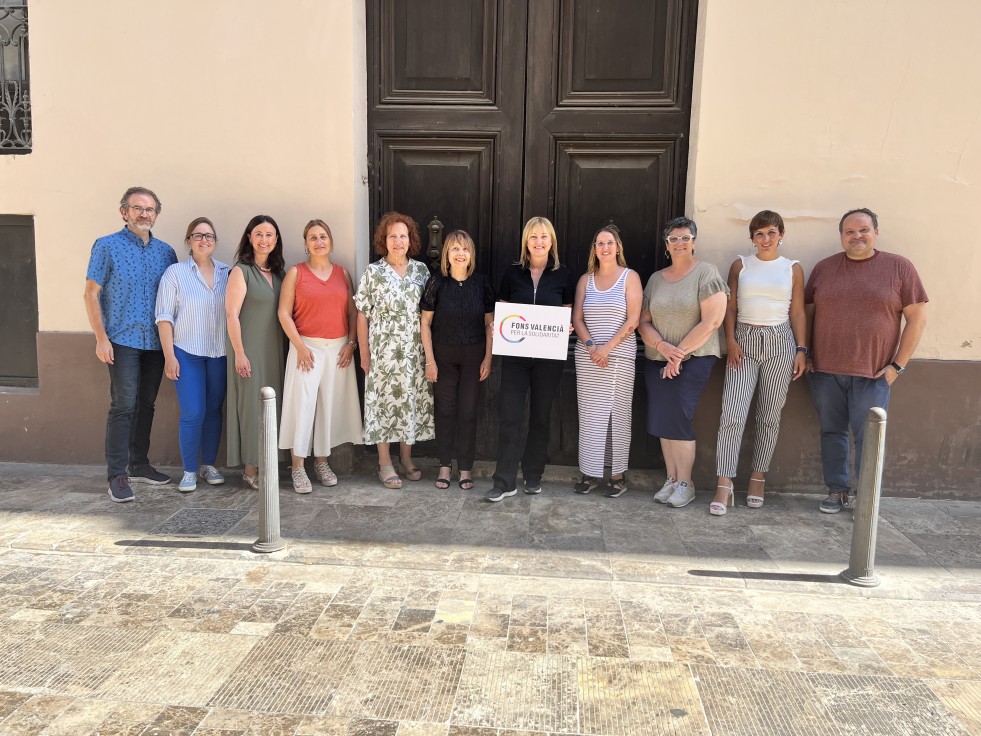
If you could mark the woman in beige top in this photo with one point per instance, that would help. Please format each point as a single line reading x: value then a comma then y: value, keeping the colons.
x: 684, y: 305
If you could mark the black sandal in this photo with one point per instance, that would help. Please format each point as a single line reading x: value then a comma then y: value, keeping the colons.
x: 443, y: 483
x: 466, y: 484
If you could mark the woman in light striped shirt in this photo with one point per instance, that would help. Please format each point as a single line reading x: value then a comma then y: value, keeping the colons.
x: 191, y: 319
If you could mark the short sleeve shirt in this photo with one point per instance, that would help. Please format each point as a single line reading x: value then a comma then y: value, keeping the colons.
x: 129, y: 273
x: 858, y: 308
x: 676, y: 308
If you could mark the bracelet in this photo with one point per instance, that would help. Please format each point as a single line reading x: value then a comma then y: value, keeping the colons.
x: 353, y: 343
x: 658, y: 343
x: 429, y: 364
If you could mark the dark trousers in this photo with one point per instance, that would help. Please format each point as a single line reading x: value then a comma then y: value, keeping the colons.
x: 843, y: 402
x: 134, y: 379
x: 456, y: 390
x: 201, y: 394
x: 518, y: 376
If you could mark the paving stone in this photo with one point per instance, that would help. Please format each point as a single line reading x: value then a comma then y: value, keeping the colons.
x: 200, y: 522
x: 287, y: 674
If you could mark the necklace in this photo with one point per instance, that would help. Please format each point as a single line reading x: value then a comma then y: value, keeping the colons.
x: 264, y: 270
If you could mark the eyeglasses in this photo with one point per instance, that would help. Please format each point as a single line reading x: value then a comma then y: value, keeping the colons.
x: 143, y: 210
x: 198, y: 237
x: 675, y: 239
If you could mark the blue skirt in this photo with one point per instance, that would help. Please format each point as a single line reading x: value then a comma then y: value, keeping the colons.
x: 671, y: 403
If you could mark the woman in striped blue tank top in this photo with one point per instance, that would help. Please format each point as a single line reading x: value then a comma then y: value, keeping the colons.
x: 605, y: 316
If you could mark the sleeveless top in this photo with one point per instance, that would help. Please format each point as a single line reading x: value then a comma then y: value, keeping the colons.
x: 320, y: 307
x: 765, y: 287
x: 604, y: 313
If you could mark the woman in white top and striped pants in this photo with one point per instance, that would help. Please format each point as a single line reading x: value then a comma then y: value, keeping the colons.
x: 766, y: 334
x: 605, y: 315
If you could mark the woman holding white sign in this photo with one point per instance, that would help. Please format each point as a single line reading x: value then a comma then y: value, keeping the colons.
x: 537, y: 278
x: 684, y: 305
x: 457, y: 318
x: 605, y: 316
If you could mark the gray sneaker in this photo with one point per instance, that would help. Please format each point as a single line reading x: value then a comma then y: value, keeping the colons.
x: 683, y: 495
x: 148, y: 474
x: 834, y: 502
x: 667, y: 489
x: 120, y: 490
x: 210, y: 474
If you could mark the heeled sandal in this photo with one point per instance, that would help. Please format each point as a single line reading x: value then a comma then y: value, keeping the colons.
x: 411, y: 472
x: 388, y: 477
x: 719, y: 509
x: 466, y: 484
x: 301, y: 483
x: 755, y: 502
x: 251, y: 481
x: 443, y: 483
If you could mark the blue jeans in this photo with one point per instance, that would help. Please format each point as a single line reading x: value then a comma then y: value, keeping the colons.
x: 134, y: 379
x: 201, y: 393
x: 843, y: 402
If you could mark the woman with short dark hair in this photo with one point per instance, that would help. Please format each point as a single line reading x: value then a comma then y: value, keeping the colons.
x: 766, y: 334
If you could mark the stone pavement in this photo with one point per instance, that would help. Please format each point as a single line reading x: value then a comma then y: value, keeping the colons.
x: 423, y: 612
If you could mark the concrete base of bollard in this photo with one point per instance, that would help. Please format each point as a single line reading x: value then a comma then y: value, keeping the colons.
x: 862, y: 581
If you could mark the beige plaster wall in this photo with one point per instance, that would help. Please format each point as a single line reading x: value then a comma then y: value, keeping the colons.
x: 813, y: 107
x: 226, y: 108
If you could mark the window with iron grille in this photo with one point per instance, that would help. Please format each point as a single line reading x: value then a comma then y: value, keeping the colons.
x: 15, y: 87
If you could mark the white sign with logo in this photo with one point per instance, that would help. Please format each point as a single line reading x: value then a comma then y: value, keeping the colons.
x: 531, y: 330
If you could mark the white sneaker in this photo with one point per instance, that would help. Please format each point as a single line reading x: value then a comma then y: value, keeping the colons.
x: 667, y: 489
x: 189, y: 482
x: 683, y: 495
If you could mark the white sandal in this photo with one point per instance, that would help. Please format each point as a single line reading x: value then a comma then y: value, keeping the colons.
x: 719, y: 509
x: 327, y: 476
x: 755, y: 502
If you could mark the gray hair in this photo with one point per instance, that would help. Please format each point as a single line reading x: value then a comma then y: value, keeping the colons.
x: 678, y: 223
x: 124, y: 202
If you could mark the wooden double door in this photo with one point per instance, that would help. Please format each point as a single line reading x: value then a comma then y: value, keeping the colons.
x: 483, y: 113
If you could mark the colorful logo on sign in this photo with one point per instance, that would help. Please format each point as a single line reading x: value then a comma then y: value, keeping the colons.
x: 505, y: 320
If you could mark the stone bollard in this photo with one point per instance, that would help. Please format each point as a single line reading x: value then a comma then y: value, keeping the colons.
x: 865, y: 518
x: 269, y: 539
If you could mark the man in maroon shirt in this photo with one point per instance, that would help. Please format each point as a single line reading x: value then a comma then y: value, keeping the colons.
x: 867, y: 311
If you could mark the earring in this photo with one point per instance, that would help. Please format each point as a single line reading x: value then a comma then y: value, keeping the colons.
x: 780, y: 242
x: 693, y: 251
x: 668, y: 254
x: 306, y: 251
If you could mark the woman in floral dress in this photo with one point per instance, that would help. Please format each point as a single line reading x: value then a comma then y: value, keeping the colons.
x: 398, y: 401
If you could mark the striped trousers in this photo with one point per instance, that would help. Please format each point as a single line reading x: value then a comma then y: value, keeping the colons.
x: 768, y: 361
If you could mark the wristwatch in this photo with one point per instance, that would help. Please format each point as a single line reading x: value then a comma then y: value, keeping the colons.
x: 589, y: 343
x: 897, y: 367
x: 803, y: 349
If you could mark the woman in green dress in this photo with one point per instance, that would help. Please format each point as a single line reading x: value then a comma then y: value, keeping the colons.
x: 398, y: 401
x: 255, y: 338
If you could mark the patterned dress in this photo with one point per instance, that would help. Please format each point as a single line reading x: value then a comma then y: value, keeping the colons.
x: 398, y: 400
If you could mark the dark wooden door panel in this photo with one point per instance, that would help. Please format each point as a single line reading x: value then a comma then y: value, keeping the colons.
x: 627, y: 183
x: 445, y: 117
x: 450, y: 179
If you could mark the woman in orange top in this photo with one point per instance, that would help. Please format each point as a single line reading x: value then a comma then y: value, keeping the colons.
x: 320, y: 396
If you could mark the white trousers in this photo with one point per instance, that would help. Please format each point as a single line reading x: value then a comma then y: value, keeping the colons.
x: 320, y: 406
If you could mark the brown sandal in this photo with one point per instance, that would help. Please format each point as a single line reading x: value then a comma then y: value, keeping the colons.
x: 411, y: 472
x: 388, y: 477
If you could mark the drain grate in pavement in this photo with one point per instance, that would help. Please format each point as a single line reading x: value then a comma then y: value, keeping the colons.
x: 72, y: 660
x: 287, y: 674
x: 740, y: 701
x: 200, y: 522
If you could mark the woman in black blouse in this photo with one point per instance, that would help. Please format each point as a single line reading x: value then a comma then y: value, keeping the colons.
x: 537, y: 278
x: 457, y: 316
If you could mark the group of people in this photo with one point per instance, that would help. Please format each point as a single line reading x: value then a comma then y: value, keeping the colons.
x: 424, y: 342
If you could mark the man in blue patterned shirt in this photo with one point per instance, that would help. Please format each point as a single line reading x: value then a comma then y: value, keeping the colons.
x: 120, y: 294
